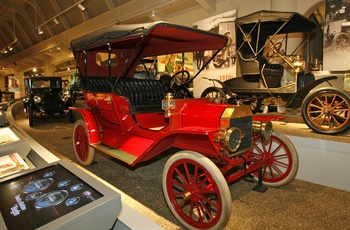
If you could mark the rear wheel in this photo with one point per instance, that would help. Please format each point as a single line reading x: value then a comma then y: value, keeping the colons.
x: 327, y: 111
x: 196, y: 191
x: 280, y: 160
x: 84, y: 153
x: 215, y: 94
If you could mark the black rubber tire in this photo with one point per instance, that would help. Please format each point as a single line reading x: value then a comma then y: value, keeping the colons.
x: 327, y: 111
x: 215, y: 92
x: 30, y: 116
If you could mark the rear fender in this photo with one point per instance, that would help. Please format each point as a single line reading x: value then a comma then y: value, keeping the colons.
x: 92, y: 127
x: 297, y: 99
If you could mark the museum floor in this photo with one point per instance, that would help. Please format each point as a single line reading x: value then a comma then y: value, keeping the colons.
x: 299, y: 205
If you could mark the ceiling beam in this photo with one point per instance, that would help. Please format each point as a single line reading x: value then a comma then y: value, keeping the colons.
x: 122, y: 13
x: 207, y: 5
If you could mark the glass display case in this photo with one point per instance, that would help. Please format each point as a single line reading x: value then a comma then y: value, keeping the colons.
x: 11, y: 141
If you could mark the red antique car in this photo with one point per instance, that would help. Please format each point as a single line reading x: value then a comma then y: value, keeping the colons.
x: 137, y: 118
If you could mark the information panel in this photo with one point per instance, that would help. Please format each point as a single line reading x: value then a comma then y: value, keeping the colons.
x: 35, y: 199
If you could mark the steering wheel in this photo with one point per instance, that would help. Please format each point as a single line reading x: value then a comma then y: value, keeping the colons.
x: 179, y: 78
x: 275, y: 48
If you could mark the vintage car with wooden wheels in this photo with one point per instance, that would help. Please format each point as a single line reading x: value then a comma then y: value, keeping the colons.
x: 266, y: 72
x: 136, y: 119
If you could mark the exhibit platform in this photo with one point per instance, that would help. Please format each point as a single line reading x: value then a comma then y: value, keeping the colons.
x: 323, y: 159
x: 299, y: 205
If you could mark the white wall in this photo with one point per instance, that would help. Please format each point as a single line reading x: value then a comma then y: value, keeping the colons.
x: 323, y: 162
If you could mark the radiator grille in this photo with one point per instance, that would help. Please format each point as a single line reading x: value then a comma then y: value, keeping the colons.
x: 245, y: 124
x: 51, y: 102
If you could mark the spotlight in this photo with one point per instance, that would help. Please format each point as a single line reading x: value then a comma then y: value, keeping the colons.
x: 40, y: 31
x: 81, y: 7
x: 10, y: 48
x: 55, y: 21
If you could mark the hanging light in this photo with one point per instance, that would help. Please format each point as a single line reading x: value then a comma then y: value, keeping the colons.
x: 40, y: 30
x: 55, y: 21
x: 81, y: 7
x: 10, y: 48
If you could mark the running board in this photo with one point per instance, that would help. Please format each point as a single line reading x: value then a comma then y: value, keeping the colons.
x: 116, y: 153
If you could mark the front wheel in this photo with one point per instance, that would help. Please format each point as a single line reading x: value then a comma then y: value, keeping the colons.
x: 215, y: 94
x: 255, y: 105
x: 71, y: 115
x: 196, y: 191
x: 84, y: 153
x: 30, y: 116
x: 327, y: 111
x: 279, y: 157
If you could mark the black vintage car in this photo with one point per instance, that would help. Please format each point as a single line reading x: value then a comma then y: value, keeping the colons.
x: 45, y: 99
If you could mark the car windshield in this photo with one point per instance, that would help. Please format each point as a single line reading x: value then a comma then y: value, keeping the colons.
x: 45, y: 84
x: 153, y: 67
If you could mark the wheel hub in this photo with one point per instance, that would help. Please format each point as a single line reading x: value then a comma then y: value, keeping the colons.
x: 268, y: 157
x: 327, y: 111
x: 186, y: 195
x: 192, y: 192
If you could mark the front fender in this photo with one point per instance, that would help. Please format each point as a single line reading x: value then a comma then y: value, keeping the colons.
x: 92, y: 127
x: 297, y: 99
x: 223, y: 86
x: 69, y: 103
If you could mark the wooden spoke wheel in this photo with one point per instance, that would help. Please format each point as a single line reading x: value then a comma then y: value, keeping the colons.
x: 196, y: 191
x: 84, y: 153
x: 280, y: 160
x: 215, y: 94
x: 327, y: 111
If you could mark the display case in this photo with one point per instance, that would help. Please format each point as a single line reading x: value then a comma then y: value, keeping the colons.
x: 57, y: 196
x: 11, y: 141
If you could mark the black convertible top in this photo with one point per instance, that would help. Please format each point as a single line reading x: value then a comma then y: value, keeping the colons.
x: 288, y: 22
x: 263, y: 24
x: 152, y: 38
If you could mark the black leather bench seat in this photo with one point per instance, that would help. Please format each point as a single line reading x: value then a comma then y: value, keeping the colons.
x: 144, y: 95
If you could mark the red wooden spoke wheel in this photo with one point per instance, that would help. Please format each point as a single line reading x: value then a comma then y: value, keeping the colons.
x: 84, y: 153
x: 196, y: 191
x: 280, y: 160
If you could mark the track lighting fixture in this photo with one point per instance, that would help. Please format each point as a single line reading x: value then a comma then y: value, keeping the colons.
x: 40, y: 30
x: 54, y: 18
x: 55, y: 21
x: 81, y: 7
